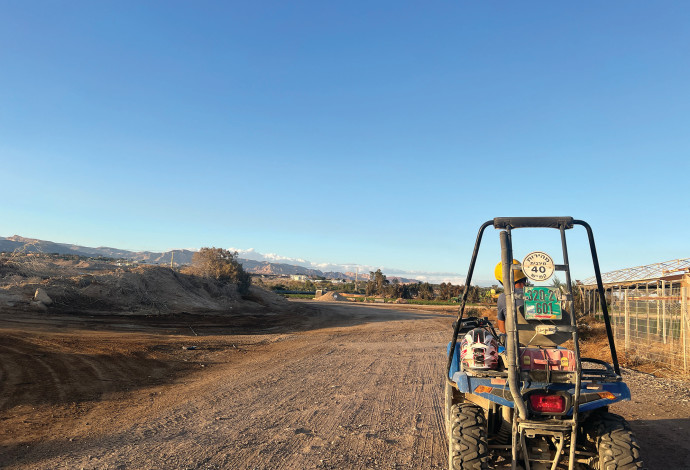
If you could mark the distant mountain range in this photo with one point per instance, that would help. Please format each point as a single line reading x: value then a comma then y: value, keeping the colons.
x: 31, y: 245
x: 179, y: 257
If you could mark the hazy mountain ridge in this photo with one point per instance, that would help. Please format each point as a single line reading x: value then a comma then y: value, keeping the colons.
x: 32, y: 245
x: 179, y: 257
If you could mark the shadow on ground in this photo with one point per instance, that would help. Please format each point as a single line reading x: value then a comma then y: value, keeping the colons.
x: 74, y: 359
x: 660, y: 446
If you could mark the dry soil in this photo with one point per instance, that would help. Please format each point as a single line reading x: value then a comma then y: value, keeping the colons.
x: 355, y: 386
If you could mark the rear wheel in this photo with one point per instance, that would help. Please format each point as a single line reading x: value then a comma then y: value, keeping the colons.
x: 615, y: 443
x: 467, y: 440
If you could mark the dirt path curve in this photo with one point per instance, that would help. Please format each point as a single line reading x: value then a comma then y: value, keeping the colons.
x: 361, y: 390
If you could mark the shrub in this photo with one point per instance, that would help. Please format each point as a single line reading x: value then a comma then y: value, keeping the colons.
x: 222, y: 265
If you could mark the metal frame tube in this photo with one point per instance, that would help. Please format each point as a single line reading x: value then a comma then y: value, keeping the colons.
x: 600, y: 287
x: 576, y: 347
x: 511, y: 325
x: 473, y: 261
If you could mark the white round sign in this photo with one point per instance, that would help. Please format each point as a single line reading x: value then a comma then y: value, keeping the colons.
x: 538, y: 266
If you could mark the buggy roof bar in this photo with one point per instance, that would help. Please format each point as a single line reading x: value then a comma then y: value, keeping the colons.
x: 534, y: 222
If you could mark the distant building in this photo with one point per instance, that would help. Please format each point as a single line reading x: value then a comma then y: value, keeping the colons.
x: 298, y: 277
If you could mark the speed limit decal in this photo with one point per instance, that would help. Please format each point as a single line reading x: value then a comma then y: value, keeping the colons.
x: 538, y: 266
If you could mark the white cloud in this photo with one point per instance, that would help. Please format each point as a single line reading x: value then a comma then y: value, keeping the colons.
x: 427, y: 276
x: 243, y: 252
x: 254, y: 255
x: 284, y: 259
x: 424, y: 276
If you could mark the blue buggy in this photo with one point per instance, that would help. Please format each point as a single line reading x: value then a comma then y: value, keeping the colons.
x: 537, y: 404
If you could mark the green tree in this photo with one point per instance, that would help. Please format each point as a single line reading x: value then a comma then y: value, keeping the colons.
x: 445, y: 291
x: 370, y: 288
x: 221, y: 265
x: 456, y: 291
x: 398, y: 290
x: 377, y: 283
x: 473, y: 294
x: 391, y: 290
x: 425, y: 291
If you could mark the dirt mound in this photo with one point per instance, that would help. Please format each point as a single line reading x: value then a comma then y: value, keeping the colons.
x: 332, y: 297
x: 107, y: 288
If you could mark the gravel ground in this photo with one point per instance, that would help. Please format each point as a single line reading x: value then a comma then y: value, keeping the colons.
x: 359, y: 389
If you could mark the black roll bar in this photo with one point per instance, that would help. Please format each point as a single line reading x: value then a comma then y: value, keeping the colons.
x: 464, y: 297
x: 534, y: 222
x: 602, y: 296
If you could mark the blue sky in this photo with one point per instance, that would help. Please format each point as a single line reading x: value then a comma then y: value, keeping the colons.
x: 371, y: 133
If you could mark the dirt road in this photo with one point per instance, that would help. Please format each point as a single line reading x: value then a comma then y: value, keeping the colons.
x: 359, y: 388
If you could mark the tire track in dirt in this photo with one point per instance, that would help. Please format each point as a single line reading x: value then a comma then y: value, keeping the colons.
x: 426, y: 394
x: 439, y: 419
x: 362, y: 391
x: 34, y: 371
x: 54, y: 370
x: 383, y: 412
x: 328, y: 401
x: 357, y: 396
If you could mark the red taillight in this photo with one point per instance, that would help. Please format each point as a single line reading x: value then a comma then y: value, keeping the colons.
x: 542, y: 403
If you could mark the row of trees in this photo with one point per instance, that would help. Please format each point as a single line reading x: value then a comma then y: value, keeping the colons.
x: 379, y: 285
x: 308, y: 285
x: 224, y: 265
